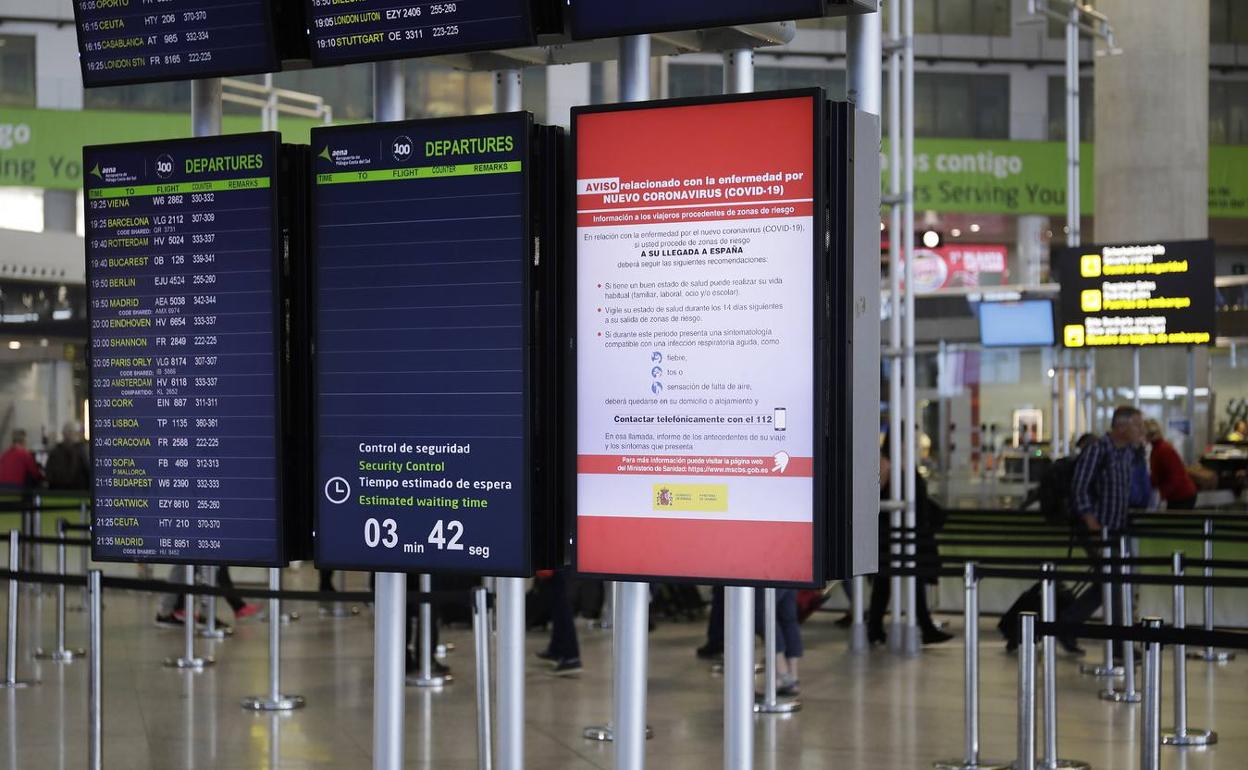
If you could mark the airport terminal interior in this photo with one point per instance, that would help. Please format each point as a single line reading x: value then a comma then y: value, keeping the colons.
x: 573, y: 384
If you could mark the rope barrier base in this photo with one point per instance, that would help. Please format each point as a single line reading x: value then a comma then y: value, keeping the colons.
x: 338, y: 611
x: 962, y: 764
x: 1101, y: 671
x: 1192, y: 736
x: 190, y: 664
x: 786, y: 706
x: 283, y: 703
x: 60, y: 656
x: 1211, y: 656
x: 18, y: 684
x: 1063, y: 764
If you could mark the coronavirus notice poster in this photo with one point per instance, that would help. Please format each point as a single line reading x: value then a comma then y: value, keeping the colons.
x: 696, y: 381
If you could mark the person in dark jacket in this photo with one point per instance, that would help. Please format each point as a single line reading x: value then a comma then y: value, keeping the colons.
x: 69, y: 465
x: 928, y: 519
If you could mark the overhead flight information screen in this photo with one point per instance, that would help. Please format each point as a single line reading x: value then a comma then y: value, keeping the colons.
x: 421, y: 301
x: 611, y: 18
x: 181, y: 241
x: 1159, y: 293
x: 369, y: 30
x: 133, y: 41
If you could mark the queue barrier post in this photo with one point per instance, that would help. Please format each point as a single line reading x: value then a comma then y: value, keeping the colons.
x: 84, y: 555
x: 1107, y: 668
x: 1048, y: 610
x: 970, y: 759
x: 1209, y: 654
x: 1150, y: 715
x: 211, y: 630
x: 61, y: 654
x: 768, y: 702
x: 738, y: 678
x: 1026, y: 692
x: 35, y: 559
x: 1128, y: 693
x: 426, y: 678
x: 11, y: 682
x: 275, y: 701
x: 1181, y: 734
x: 189, y: 661
x: 95, y: 676
x: 481, y: 648
x: 858, y: 627
x: 606, y: 733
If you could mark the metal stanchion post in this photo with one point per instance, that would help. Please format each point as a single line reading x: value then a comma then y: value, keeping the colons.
x: 1209, y: 654
x: 630, y: 672
x: 1150, y: 715
x: 189, y: 661
x: 426, y: 677
x: 11, y: 682
x: 1026, y: 692
x: 210, y: 629
x: 95, y: 675
x: 61, y: 654
x: 36, y: 551
x: 970, y: 613
x: 1181, y: 734
x: 858, y: 627
x: 1106, y: 669
x: 275, y: 700
x: 606, y: 733
x: 510, y: 614
x: 389, y: 617
x: 84, y: 553
x: 738, y: 678
x: 1128, y: 693
x: 481, y: 647
x: 768, y: 703
x: 1050, y: 760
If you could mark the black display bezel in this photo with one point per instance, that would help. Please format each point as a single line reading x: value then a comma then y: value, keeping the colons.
x: 282, y: 557
x: 274, y: 63
x: 641, y: 28
x: 819, y: 365
x: 318, y: 139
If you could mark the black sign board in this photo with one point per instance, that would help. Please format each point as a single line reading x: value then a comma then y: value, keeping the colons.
x: 184, y: 289
x: 610, y: 18
x: 425, y: 287
x: 1157, y: 293
x: 371, y: 30
x: 126, y: 41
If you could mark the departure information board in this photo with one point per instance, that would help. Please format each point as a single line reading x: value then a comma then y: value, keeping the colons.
x: 1136, y: 294
x: 368, y: 30
x: 696, y: 327
x: 133, y: 41
x: 181, y: 243
x: 421, y: 250
x: 611, y: 18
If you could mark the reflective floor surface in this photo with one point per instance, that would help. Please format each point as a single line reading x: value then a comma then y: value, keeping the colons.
x: 861, y: 712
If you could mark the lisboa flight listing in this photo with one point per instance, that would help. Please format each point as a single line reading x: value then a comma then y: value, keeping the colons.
x: 180, y: 253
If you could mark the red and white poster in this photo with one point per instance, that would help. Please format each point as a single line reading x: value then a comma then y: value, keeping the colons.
x: 695, y: 325
x: 963, y: 264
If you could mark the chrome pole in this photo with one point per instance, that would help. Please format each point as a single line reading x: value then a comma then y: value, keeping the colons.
x: 84, y: 552
x: 910, y: 644
x: 769, y: 703
x: 1026, y: 692
x: 1128, y: 693
x: 895, y: 270
x: 95, y: 672
x: 1106, y: 669
x: 1050, y: 760
x: 275, y: 700
x: 61, y: 654
x: 1150, y: 715
x: 481, y: 647
x: 11, y: 682
x: 1181, y: 734
x: 389, y: 617
x: 738, y: 678
x: 426, y: 677
x: 1209, y: 654
x: 189, y: 661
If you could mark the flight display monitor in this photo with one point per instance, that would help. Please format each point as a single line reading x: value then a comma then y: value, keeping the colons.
x: 698, y: 401
x: 611, y: 18
x: 182, y: 275
x: 421, y: 261
x: 1136, y: 294
x: 1028, y: 323
x: 371, y: 30
x: 128, y: 41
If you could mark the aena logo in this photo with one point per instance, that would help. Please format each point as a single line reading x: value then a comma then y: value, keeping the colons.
x: 13, y: 134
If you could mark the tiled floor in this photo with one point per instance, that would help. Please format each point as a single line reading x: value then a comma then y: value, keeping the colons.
x: 867, y: 712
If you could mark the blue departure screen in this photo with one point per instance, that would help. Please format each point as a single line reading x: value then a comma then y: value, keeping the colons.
x: 133, y: 41
x: 1016, y: 324
x: 610, y: 18
x: 421, y: 259
x: 369, y: 30
x: 181, y: 255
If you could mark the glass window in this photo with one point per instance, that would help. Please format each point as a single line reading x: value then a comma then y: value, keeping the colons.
x: 1057, y: 109
x: 708, y: 79
x: 1228, y: 21
x: 960, y: 17
x: 149, y: 97
x: 954, y: 105
x: 695, y: 79
x: 17, y: 70
x: 1228, y: 112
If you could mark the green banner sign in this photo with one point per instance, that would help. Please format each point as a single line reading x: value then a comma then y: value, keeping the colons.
x: 43, y: 148
x: 979, y: 176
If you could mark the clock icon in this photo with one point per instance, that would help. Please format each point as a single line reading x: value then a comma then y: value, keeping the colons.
x: 337, y: 490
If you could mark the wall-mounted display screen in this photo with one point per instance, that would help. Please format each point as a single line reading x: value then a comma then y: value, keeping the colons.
x: 128, y: 41
x: 1028, y: 323
x: 696, y: 331
x: 182, y: 261
x: 370, y: 30
x: 1159, y: 293
x: 421, y: 253
x: 610, y: 18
